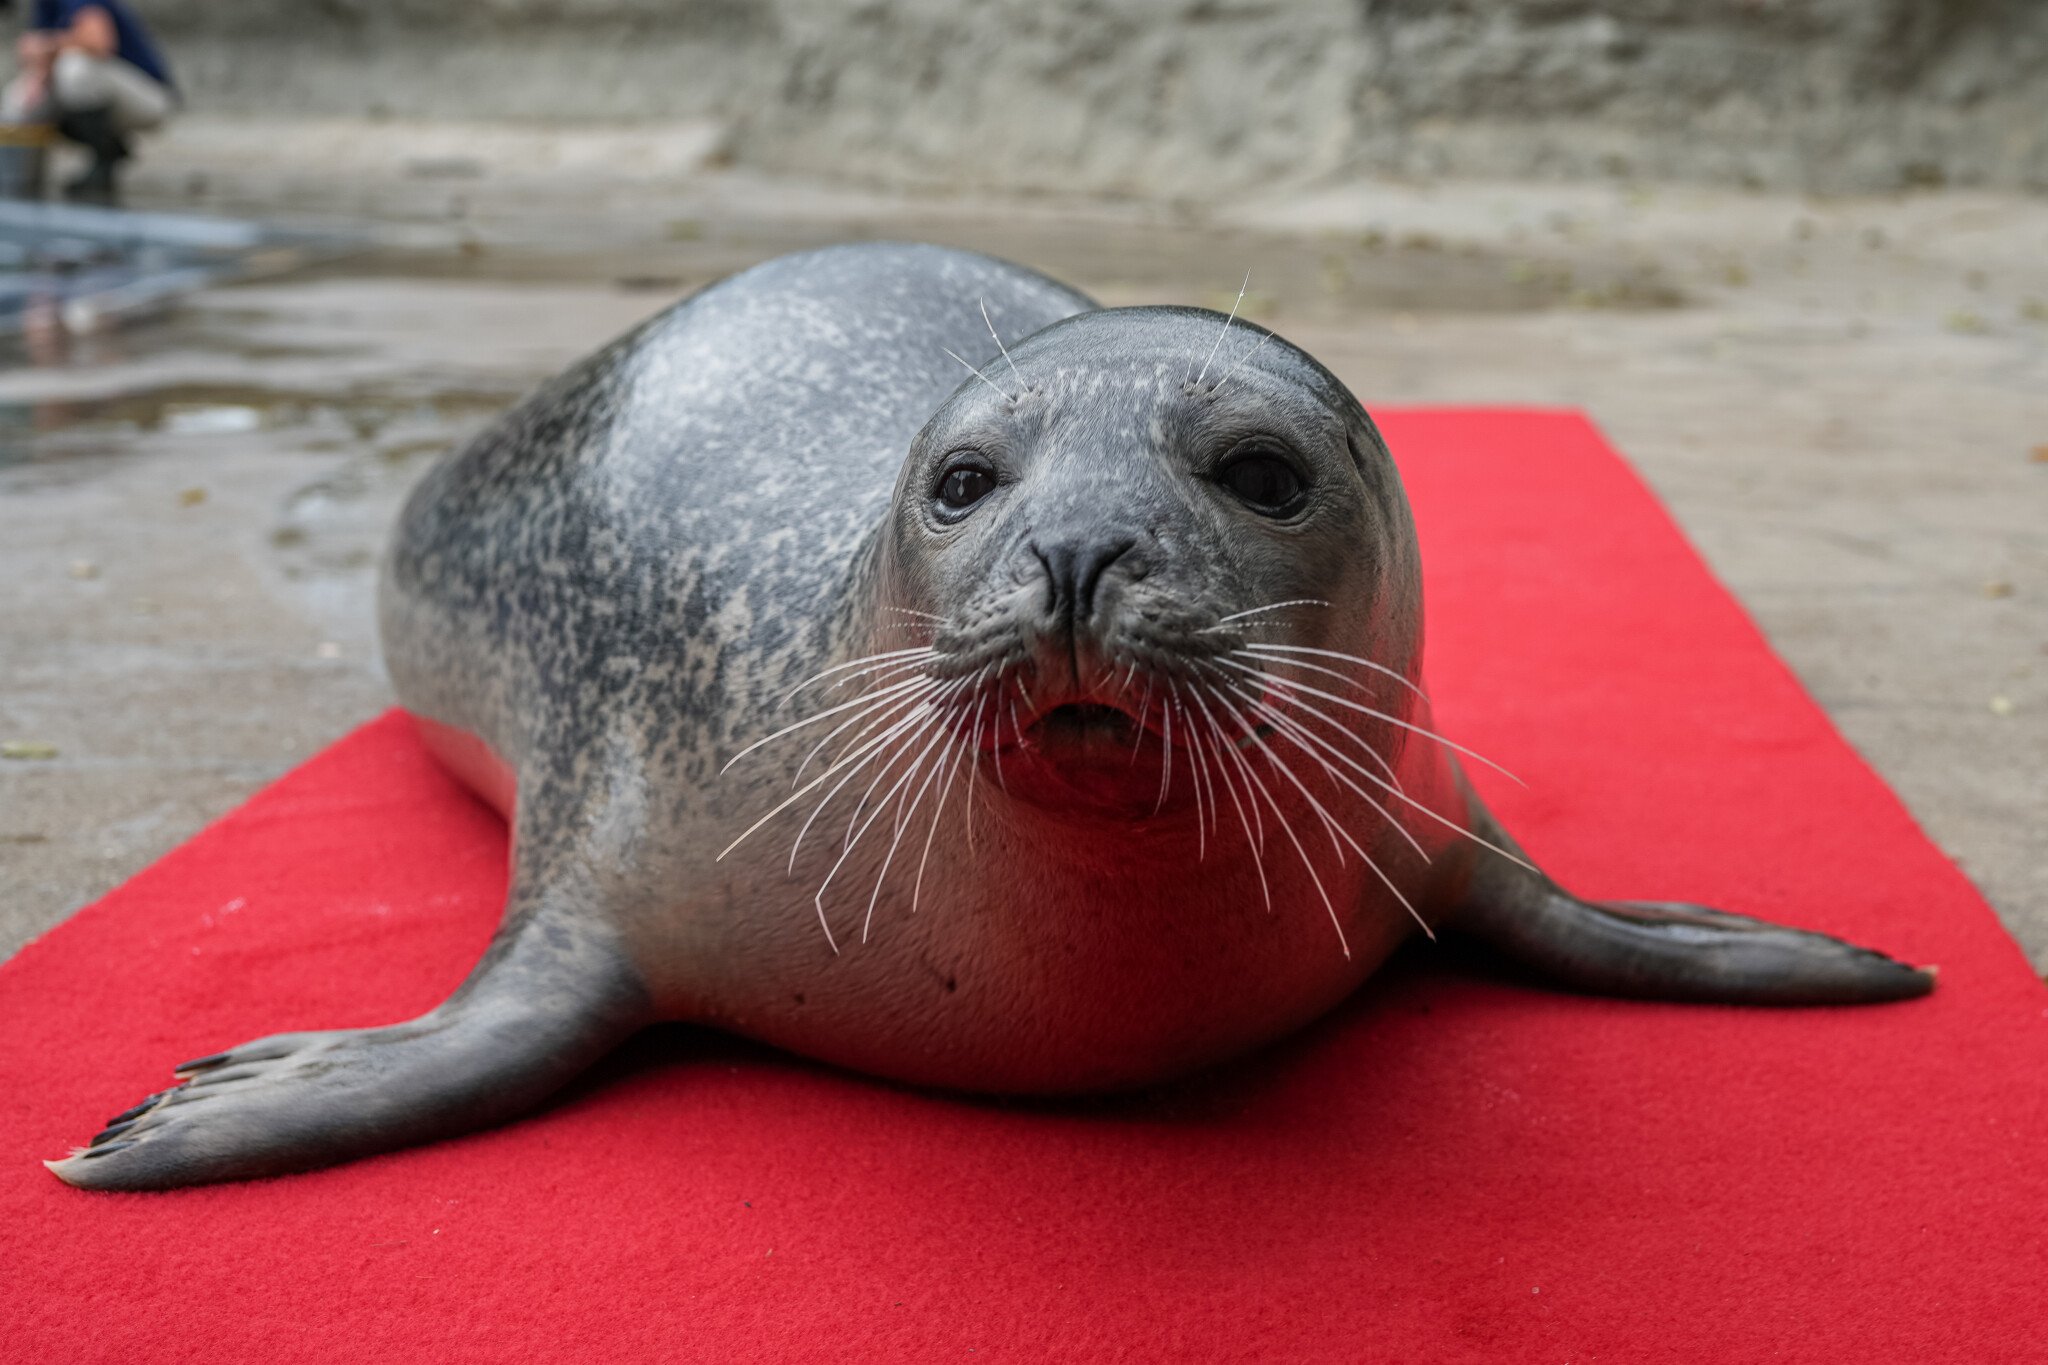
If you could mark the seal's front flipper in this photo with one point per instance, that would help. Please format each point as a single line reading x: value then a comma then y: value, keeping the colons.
x: 1666, y: 950
x: 550, y: 997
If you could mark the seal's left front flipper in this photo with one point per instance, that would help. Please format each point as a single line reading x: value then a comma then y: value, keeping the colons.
x: 1666, y: 950
x: 550, y: 997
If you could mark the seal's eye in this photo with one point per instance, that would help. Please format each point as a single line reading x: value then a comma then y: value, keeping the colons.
x: 1266, y: 482
x: 964, y: 484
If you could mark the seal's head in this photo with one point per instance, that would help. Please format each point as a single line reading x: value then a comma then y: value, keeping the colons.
x: 1119, y: 541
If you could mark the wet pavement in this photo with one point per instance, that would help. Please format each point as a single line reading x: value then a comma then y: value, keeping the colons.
x: 1845, y: 404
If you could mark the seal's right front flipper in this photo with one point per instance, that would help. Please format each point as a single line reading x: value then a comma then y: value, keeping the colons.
x: 550, y: 997
x: 1666, y: 950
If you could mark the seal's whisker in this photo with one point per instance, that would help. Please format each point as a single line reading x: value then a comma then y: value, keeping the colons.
x: 1241, y: 363
x: 997, y: 388
x: 915, y: 651
x: 1166, y: 756
x: 889, y: 709
x: 1309, y: 742
x: 996, y: 746
x: 1280, y: 816
x: 1270, y: 606
x: 881, y: 806
x: 1335, y: 827
x: 1257, y: 845
x: 912, y: 611
x: 1229, y: 752
x: 1338, y: 836
x: 1202, y: 776
x: 1392, y: 787
x: 1194, y: 776
x: 905, y: 685
x: 1138, y: 731
x: 875, y: 673
x: 1269, y: 648
x: 886, y: 709
x: 1219, y: 772
x: 905, y: 816
x: 1022, y: 387
x: 974, y: 770
x: 1207, y: 773
x: 933, y: 715
x: 1289, y: 684
x: 910, y: 722
x: 954, y: 759
x: 1343, y: 730
x: 1247, y: 652
x: 1226, y: 329
x: 857, y: 758
x: 818, y: 901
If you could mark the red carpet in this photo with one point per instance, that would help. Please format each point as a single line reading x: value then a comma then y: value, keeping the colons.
x: 1451, y: 1168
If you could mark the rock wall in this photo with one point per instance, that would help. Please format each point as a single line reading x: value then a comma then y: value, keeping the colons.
x: 1193, y: 98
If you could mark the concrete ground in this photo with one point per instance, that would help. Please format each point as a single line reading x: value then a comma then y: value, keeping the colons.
x: 1844, y: 402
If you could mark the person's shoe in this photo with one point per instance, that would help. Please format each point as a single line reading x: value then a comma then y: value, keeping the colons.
x: 95, y: 130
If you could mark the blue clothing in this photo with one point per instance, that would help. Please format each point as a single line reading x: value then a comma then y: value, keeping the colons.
x: 132, y: 43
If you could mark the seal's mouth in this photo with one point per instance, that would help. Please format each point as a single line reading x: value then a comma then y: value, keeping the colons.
x: 1113, y: 750
x: 1084, y: 722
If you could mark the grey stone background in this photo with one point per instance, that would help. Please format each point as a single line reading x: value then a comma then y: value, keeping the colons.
x: 1194, y: 98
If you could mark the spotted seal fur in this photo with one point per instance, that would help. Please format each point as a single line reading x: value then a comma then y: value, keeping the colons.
x: 892, y: 656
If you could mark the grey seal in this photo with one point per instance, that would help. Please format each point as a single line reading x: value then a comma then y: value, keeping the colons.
x: 892, y: 656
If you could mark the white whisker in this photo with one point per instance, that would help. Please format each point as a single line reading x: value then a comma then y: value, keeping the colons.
x: 1303, y: 738
x: 1022, y: 387
x: 912, y: 725
x: 1269, y: 648
x: 1270, y: 606
x: 891, y: 709
x: 1280, y: 817
x: 1337, y: 828
x: 1226, y: 329
x: 996, y: 388
x: 1393, y: 789
x: 953, y: 762
x: 902, y: 823
x: 1289, y: 684
x: 1241, y: 363
x: 1166, y: 756
x: 857, y: 758
x: 1257, y: 846
x: 915, y: 651
x: 854, y: 842
x: 864, y: 700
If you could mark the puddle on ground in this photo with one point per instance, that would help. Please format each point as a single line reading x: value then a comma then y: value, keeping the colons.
x: 314, y: 420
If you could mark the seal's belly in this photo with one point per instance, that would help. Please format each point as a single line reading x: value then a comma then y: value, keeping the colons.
x: 1070, y: 977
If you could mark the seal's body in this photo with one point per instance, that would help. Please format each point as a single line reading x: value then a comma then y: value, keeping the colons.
x: 1047, y: 728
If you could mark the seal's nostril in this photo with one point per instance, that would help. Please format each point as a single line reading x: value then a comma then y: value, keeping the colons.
x: 1073, y: 573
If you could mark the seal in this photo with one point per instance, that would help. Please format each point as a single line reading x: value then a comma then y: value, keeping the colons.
x: 1047, y: 724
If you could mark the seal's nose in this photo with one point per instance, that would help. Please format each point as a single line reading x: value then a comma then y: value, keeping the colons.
x: 1073, y: 572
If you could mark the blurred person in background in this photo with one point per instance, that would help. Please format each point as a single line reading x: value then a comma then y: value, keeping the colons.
x: 90, y: 69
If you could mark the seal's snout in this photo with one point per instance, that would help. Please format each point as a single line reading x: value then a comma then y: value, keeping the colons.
x: 1074, y: 570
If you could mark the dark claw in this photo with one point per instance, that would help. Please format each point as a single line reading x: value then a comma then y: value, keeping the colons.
x: 89, y: 1153
x: 136, y: 1112
x: 210, y: 1060
x: 110, y: 1132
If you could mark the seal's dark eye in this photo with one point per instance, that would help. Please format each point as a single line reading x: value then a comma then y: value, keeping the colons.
x: 1266, y: 482
x: 963, y: 485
